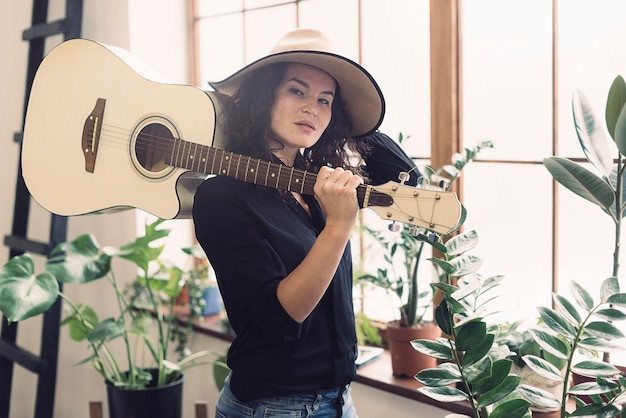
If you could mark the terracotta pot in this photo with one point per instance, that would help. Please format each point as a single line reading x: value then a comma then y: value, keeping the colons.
x: 405, y: 360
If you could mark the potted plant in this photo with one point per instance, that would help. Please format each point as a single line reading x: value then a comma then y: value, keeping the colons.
x: 591, y: 331
x: 141, y: 367
x: 402, y: 254
x: 581, y: 325
x: 473, y: 367
x: 518, y: 338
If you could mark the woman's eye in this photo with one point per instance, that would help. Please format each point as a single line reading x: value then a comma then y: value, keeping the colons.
x: 296, y: 91
x: 324, y: 102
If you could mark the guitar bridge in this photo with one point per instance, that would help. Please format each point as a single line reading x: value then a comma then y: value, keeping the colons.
x: 91, y: 135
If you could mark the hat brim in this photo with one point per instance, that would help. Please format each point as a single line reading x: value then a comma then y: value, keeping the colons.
x: 363, y: 98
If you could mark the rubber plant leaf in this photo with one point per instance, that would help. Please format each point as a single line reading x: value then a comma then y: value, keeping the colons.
x: 615, y: 103
x: 620, y: 132
x: 581, y: 181
x: 22, y: 293
x: 593, y: 141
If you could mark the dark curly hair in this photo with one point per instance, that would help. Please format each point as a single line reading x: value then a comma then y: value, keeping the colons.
x: 247, y: 117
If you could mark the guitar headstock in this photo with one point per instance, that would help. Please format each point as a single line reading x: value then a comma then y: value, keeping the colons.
x: 435, y: 210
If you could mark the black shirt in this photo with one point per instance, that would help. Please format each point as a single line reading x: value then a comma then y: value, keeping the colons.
x: 253, y: 238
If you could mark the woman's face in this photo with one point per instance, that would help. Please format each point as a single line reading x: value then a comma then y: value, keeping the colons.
x: 302, y: 108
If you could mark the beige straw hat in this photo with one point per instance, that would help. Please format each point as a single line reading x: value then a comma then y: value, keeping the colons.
x: 364, y: 101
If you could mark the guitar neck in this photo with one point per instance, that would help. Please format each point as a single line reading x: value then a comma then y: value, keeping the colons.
x: 208, y: 160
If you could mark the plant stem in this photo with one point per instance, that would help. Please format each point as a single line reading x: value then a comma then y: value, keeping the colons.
x: 97, y: 356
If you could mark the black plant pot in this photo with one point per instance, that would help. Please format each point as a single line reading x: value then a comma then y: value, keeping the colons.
x: 152, y: 402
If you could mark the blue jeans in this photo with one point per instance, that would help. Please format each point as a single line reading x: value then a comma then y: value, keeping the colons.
x: 319, y: 404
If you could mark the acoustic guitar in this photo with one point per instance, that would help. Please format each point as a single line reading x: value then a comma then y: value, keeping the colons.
x: 102, y: 134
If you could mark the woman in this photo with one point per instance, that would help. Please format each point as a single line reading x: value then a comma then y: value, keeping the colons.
x: 282, y: 259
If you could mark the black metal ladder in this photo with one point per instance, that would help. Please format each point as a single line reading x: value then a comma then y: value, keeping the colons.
x: 43, y: 364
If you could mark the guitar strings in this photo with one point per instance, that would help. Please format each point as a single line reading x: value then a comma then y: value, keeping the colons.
x: 147, y: 142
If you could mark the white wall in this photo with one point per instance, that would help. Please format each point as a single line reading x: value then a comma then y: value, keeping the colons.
x: 155, y: 31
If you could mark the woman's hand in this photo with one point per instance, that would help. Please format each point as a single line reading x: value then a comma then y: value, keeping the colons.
x: 335, y: 190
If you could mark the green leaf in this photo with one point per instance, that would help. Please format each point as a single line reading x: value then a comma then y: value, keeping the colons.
x: 477, y: 352
x: 432, y: 348
x: 539, y: 397
x: 609, y: 287
x: 499, y: 371
x: 581, y: 181
x: 567, y: 309
x: 507, y: 386
x: 543, y: 367
x: 603, y: 330
x: 106, y: 330
x: 596, y: 411
x: 81, y: 322
x: 444, y: 394
x: 584, y: 299
x: 594, y: 143
x: 22, y: 293
x: 438, y: 377
x: 598, y: 344
x: 443, y: 317
x: 593, y: 388
x: 515, y: 408
x: 78, y: 261
x: 141, y: 323
x: 557, y: 323
x: 615, y: 103
x: 550, y: 343
x: 465, y: 264
x: 470, y: 335
x: 610, y: 314
x: 592, y: 368
x: 462, y: 243
x: 618, y: 299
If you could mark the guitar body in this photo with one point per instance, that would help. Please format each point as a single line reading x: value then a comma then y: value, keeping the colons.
x: 100, y: 137
x: 75, y: 78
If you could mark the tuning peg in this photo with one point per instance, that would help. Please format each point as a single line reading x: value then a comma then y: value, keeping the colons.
x: 414, y: 230
x: 404, y: 177
x: 432, y: 237
x: 394, y: 227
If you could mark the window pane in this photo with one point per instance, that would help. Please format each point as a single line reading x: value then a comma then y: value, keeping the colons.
x: 509, y: 205
x: 396, y: 50
x: 338, y: 19
x: 220, y: 59
x: 261, y: 35
x: 591, y: 38
x: 507, y: 76
x: 216, y: 7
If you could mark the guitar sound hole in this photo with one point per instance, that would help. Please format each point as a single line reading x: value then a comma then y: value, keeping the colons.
x: 151, y: 145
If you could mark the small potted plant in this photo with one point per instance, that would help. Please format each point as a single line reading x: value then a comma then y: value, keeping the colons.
x: 127, y: 351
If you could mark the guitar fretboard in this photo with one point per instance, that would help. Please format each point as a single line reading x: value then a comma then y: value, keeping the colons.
x: 208, y: 160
